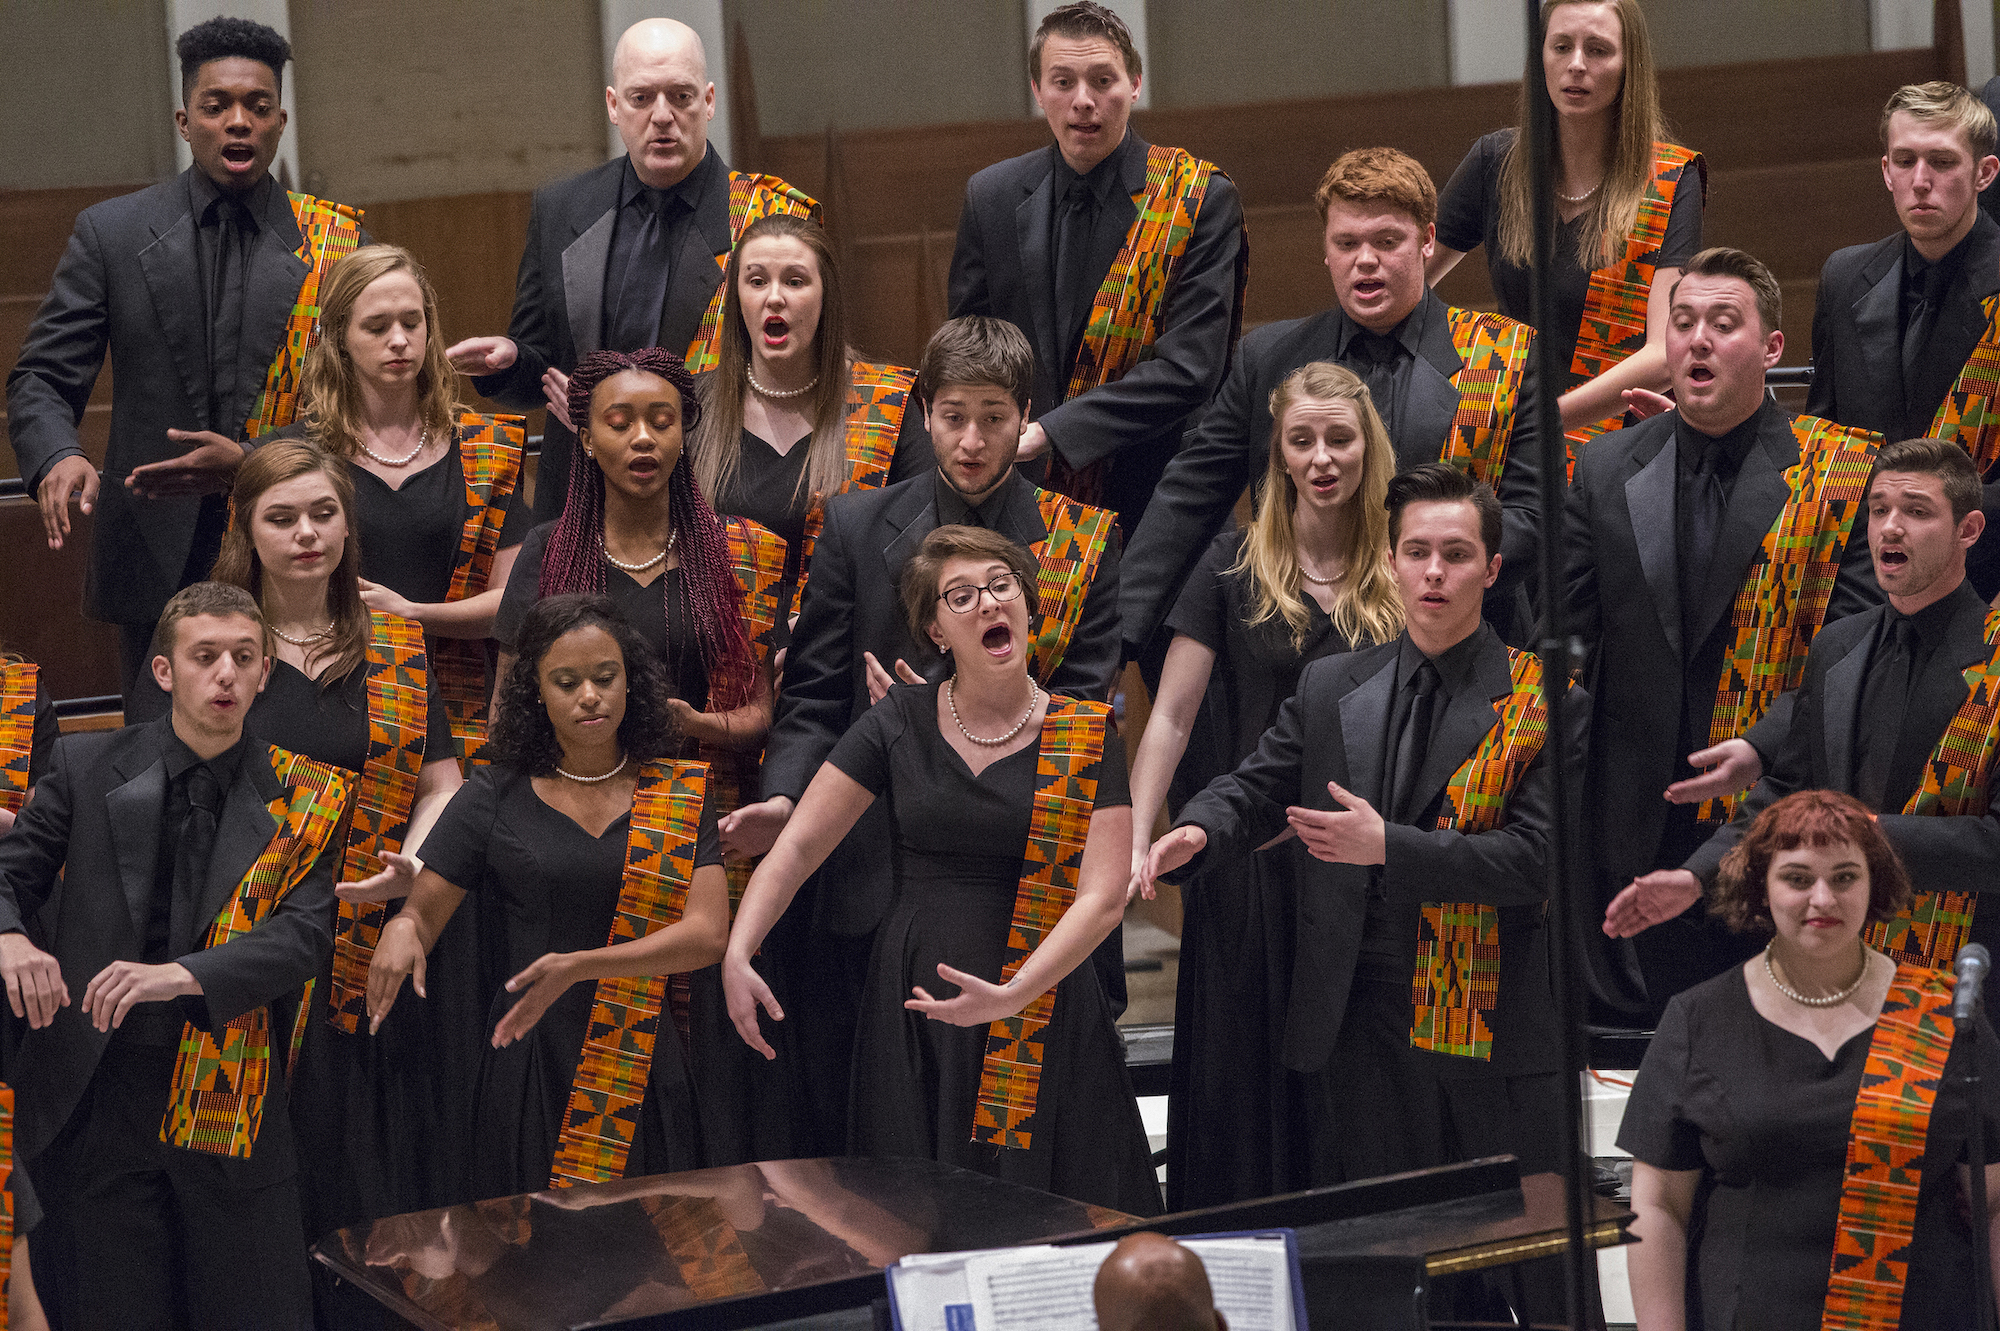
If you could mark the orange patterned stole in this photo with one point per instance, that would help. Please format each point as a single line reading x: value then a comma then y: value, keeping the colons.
x: 1493, y: 355
x: 490, y: 449
x: 328, y: 233
x: 751, y: 197
x: 1067, y: 557
x: 877, y: 398
x: 1970, y: 412
x: 220, y: 1079
x: 601, y: 1120
x: 757, y: 556
x: 1885, y: 1154
x: 1010, y: 1077
x: 18, y: 681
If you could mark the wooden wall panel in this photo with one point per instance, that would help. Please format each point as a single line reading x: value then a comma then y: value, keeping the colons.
x: 40, y: 595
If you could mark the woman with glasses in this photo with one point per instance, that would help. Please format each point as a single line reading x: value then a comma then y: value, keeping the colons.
x: 1005, y: 883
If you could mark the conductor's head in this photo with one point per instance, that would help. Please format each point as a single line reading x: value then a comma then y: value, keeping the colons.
x: 1150, y: 1282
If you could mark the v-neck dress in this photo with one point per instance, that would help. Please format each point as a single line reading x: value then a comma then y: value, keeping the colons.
x: 1764, y: 1115
x: 958, y: 846
x: 546, y: 885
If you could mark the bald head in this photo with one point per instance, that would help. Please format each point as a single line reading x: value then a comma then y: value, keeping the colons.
x: 661, y: 100
x: 1150, y: 1282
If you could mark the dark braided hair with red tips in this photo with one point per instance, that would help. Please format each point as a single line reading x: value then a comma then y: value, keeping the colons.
x: 711, y: 601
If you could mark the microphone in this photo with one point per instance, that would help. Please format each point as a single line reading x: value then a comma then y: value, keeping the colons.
x: 1973, y: 963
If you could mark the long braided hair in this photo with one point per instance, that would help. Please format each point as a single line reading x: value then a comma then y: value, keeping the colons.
x: 711, y: 601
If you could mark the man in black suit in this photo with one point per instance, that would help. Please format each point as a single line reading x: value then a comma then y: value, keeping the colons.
x: 149, y: 839
x: 1038, y: 236
x: 1379, y: 210
x: 1368, y: 764
x: 852, y: 642
x: 1880, y: 689
x: 1671, y: 526
x: 626, y: 255
x: 189, y: 286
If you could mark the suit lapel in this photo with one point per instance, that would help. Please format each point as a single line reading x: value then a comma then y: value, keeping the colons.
x: 1364, y: 724
x: 1841, y: 705
x: 583, y: 263
x: 173, y: 279
x: 1755, y: 502
x: 1650, y: 491
x: 1466, y: 720
x: 1432, y: 402
x: 1875, y: 314
x: 135, y: 810
x: 1962, y: 321
x: 271, y: 288
x: 1031, y: 226
x: 242, y: 833
x: 694, y: 274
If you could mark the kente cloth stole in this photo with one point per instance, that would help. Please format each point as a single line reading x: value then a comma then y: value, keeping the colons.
x: 1494, y: 355
x: 328, y: 233
x: 1614, y: 308
x: 6, y: 1195
x: 1783, y: 599
x: 1457, y: 979
x: 1969, y: 412
x: 490, y: 449
x: 1957, y: 778
x: 1010, y: 1077
x: 877, y: 397
x: 1068, y: 558
x: 384, y: 795
x: 1885, y: 1154
x: 751, y: 196
x: 17, y: 731
x: 220, y: 1079
x: 602, y: 1117
x: 757, y: 555
x: 704, y: 1247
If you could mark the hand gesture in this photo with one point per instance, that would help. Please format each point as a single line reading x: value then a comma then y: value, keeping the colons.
x: 555, y: 392
x: 1138, y: 886
x: 398, y: 952
x: 1034, y: 442
x: 482, y: 355
x: 207, y: 467
x: 1349, y: 835
x: 1644, y: 402
x: 399, y: 873
x: 744, y: 990
x: 72, y: 478
x: 1169, y: 853
x: 881, y: 681
x: 546, y: 978
x: 1730, y: 768
x: 115, y: 989
x: 1652, y: 899
x: 753, y: 829
x: 978, y: 1001
x: 35, y: 987
x: 379, y: 598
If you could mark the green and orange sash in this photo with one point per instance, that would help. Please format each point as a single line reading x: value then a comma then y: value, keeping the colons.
x: 1493, y: 351
x: 220, y: 1079
x: 877, y: 397
x: 1885, y: 1154
x: 1614, y: 308
x: 601, y: 1120
x: 757, y: 556
x: 490, y: 449
x: 17, y: 731
x: 1969, y: 412
x: 751, y: 197
x: 1957, y: 778
x: 1010, y: 1077
x: 1130, y: 308
x: 1784, y: 595
x: 328, y: 233
x: 1457, y: 979
x: 1067, y: 560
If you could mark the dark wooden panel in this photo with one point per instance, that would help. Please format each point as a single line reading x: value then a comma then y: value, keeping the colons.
x: 37, y: 223
x: 41, y: 597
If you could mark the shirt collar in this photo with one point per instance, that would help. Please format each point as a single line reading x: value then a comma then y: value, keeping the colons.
x: 1409, y: 333
x: 1100, y: 179
x: 207, y: 194
x: 952, y: 508
x: 1735, y: 445
x: 690, y: 189
x: 1932, y: 623
x: 180, y: 759
x: 1456, y: 664
x: 1916, y: 266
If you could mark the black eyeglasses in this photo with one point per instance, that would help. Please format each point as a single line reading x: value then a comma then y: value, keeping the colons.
x: 963, y: 598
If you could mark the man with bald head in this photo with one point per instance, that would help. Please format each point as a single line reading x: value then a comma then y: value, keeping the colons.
x: 629, y: 254
x: 1151, y: 1283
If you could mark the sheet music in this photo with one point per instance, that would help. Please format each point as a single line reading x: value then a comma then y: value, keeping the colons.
x: 1252, y: 1280
x: 1035, y: 1289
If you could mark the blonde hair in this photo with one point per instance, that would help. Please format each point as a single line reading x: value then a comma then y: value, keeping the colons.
x: 1367, y: 605
x: 1641, y: 124
x: 329, y: 386
x: 1941, y: 102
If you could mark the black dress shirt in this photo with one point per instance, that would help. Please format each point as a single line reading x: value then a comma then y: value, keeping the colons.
x: 954, y: 510
x: 226, y: 227
x: 1075, y: 203
x: 1384, y: 361
x: 636, y: 199
x: 1696, y: 457
x: 1943, y: 635
x: 1925, y: 380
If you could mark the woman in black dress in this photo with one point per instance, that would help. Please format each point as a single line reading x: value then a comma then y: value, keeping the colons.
x: 583, y: 746
x: 1751, y: 1094
x: 980, y: 838
x: 1628, y: 204
x: 1309, y: 577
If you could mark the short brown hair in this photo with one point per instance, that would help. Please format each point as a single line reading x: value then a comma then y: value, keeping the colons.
x: 977, y: 349
x: 222, y: 599
x: 1084, y: 20
x: 920, y: 576
x: 1379, y: 175
x: 1741, y: 897
x: 1943, y: 102
x: 1722, y: 261
x: 1934, y: 457
x: 1442, y: 483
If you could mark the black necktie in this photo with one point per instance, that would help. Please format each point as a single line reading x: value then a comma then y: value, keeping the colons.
x: 1074, y: 292
x: 1380, y: 356
x: 1414, y: 742
x: 1923, y: 316
x: 225, y: 312
x: 1883, y: 700
x: 196, y: 848
x: 1702, y: 505
x: 642, y: 289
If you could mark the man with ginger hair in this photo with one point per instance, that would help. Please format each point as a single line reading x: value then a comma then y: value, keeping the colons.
x: 1151, y: 1283
x: 629, y: 254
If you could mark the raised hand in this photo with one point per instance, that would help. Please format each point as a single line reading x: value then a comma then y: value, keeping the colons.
x: 71, y: 478
x: 399, y: 874
x: 978, y: 1001
x: 35, y: 987
x: 482, y: 355
x: 1730, y: 768
x: 1651, y: 899
x: 399, y: 952
x: 546, y: 978
x: 1351, y: 834
x: 744, y: 990
x: 753, y: 829
x: 114, y: 991
x: 207, y: 467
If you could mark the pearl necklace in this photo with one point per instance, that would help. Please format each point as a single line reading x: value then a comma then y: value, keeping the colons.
x: 762, y: 391
x: 951, y: 701
x: 616, y: 562
x: 1580, y: 198
x: 1799, y: 998
x: 422, y: 439
x: 306, y: 641
x: 1320, y: 582
x: 593, y: 780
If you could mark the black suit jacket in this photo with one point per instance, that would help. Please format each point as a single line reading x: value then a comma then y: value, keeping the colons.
x: 95, y: 821
x: 1002, y: 266
x: 852, y: 605
x: 129, y: 283
x: 559, y: 296
x: 1333, y: 729
x: 1955, y: 854
x: 1227, y: 453
x: 1622, y: 583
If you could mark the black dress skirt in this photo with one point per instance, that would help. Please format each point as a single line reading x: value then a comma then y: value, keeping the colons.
x: 546, y: 885
x: 959, y: 842
x: 1764, y: 1115
x: 1233, y: 1129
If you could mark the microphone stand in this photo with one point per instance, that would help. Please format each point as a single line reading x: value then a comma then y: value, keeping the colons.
x: 1965, y: 1033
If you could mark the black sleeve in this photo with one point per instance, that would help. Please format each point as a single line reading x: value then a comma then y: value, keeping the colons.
x: 1821, y: 398
x: 1089, y: 667
x: 438, y: 742
x: 1466, y: 197
x: 296, y: 430
x: 1683, y: 240
x: 1244, y: 809
x: 1788, y: 769
x: 52, y: 378
x: 1114, y: 788
x: 1202, y: 612
x: 32, y: 854
x: 966, y: 291
x: 48, y: 729
x: 524, y: 588
x: 1520, y: 494
x: 863, y: 752
x: 708, y: 842
x: 914, y: 453
x: 817, y: 699
x: 519, y: 515
x: 520, y: 384
x: 456, y: 846
x: 1654, y: 1129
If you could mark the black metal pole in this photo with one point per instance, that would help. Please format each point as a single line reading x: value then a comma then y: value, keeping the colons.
x: 1966, y: 1033
x: 1558, y: 657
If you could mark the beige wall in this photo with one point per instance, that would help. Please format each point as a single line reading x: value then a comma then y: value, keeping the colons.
x: 84, y: 93
x: 1209, y: 54
x: 1704, y: 32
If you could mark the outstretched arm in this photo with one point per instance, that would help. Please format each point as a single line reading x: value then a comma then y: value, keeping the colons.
x: 1183, y: 682
x: 406, y: 940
